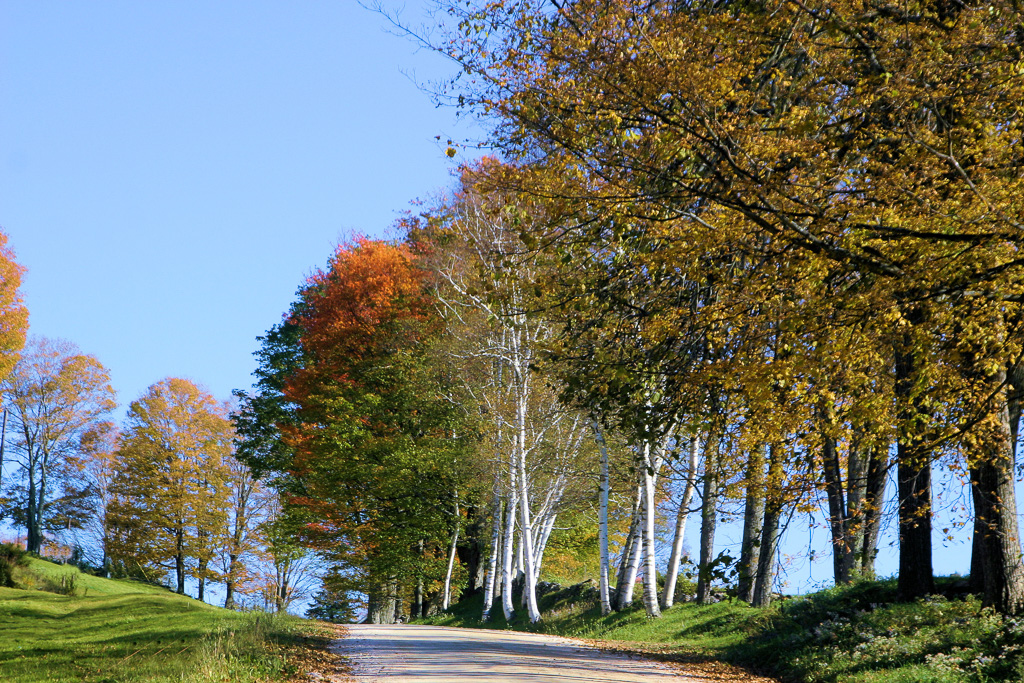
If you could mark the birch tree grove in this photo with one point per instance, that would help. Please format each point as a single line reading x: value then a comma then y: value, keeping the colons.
x: 771, y: 249
x: 485, y: 277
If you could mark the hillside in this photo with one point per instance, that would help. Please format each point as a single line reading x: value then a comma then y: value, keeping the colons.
x: 111, y: 630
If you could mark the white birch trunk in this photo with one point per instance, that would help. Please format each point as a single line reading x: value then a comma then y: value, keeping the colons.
x: 447, y: 594
x: 672, y: 575
x: 521, y: 371
x: 529, y: 567
x: 636, y: 553
x: 602, y: 527
x: 492, y: 564
x: 651, y: 465
x: 506, y: 565
x: 542, y: 543
x: 519, y: 550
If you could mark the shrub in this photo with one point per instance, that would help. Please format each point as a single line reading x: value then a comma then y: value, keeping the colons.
x: 11, y: 556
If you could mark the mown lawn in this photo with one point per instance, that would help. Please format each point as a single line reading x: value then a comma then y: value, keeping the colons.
x: 123, y: 631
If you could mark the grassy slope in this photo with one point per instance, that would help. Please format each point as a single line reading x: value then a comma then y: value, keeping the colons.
x: 127, y: 631
x: 856, y: 634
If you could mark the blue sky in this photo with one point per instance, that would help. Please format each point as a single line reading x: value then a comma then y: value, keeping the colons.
x: 169, y: 172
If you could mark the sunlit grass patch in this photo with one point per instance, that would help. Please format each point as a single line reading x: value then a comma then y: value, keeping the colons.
x: 122, y: 631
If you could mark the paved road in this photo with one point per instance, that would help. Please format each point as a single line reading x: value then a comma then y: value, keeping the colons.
x: 434, y: 654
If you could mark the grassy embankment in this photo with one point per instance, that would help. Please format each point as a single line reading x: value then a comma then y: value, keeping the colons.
x: 102, y: 630
x: 852, y: 634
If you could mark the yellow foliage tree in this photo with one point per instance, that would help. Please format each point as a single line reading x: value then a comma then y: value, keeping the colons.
x: 54, y: 395
x: 170, y: 490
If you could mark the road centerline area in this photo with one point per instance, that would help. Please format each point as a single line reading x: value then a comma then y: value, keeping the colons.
x: 435, y: 654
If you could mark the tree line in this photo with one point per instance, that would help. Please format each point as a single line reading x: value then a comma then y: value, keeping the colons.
x: 159, y: 497
x: 768, y: 252
x: 729, y: 257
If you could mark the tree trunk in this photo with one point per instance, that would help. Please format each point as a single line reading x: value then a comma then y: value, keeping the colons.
x: 229, y: 583
x: 418, y: 607
x: 492, y: 565
x: 506, y: 565
x: 399, y: 611
x: 753, y: 520
x: 651, y: 464
x: 380, y: 604
x: 708, y: 519
x: 976, y: 580
x: 203, y: 564
x: 995, y: 506
x: 774, y: 501
x: 602, y: 525
x: 542, y: 542
x: 842, y: 552
x: 913, y: 481
x: 915, y: 524
x: 874, y: 500
x: 32, y: 535
x: 668, y: 594
x: 447, y: 594
x: 179, y: 560
x: 630, y: 559
x: 529, y: 566
x: 41, y: 504
x: 856, y: 505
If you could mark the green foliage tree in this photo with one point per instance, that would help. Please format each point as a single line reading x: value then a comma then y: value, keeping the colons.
x: 359, y: 420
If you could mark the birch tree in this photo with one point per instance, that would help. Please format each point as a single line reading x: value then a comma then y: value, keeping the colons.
x: 690, y: 486
x: 485, y: 272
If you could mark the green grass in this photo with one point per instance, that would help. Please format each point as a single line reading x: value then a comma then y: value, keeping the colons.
x: 853, y: 634
x: 121, y: 631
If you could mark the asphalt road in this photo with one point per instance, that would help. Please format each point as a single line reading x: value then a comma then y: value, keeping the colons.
x: 434, y: 654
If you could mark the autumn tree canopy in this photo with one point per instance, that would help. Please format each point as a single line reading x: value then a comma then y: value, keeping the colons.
x: 366, y: 430
x: 13, y: 314
x: 785, y: 181
x: 55, y: 395
x: 170, y: 495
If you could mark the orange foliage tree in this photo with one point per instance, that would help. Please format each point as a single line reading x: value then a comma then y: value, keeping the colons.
x: 13, y: 314
x: 368, y: 436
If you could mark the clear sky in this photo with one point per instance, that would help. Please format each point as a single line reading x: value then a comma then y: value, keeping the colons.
x: 170, y: 172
